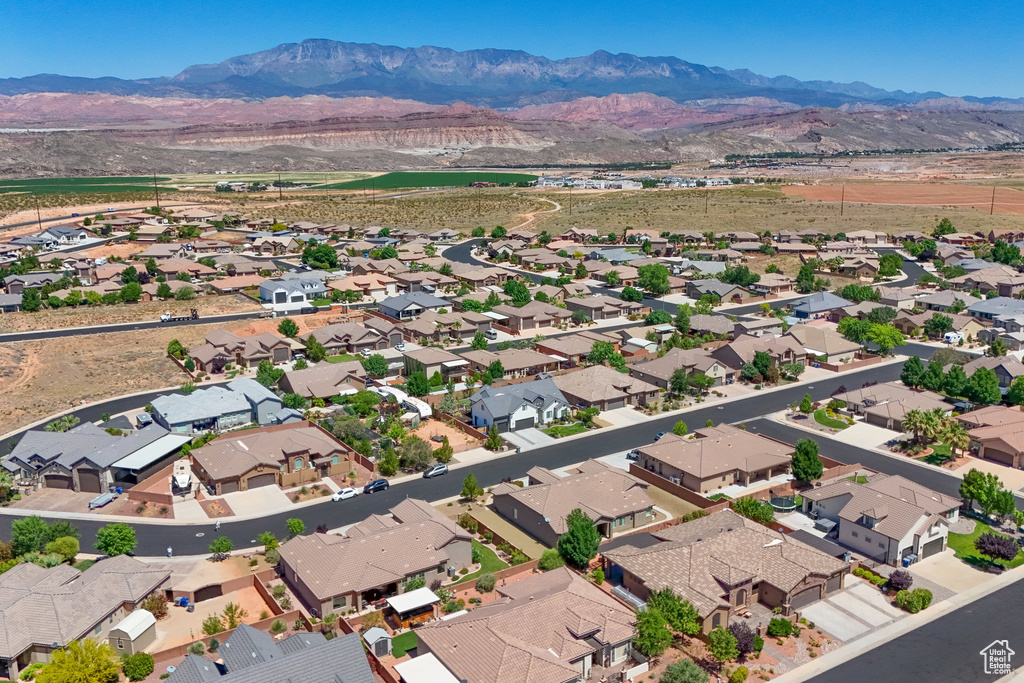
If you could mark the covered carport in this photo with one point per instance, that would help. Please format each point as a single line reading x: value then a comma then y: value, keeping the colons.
x: 144, y: 462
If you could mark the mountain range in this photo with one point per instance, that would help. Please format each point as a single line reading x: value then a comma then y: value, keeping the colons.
x: 435, y: 106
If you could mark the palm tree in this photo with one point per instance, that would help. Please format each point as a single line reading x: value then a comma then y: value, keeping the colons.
x: 914, y: 421
x: 956, y: 437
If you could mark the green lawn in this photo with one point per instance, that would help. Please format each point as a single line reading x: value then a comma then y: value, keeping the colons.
x: 393, y: 181
x: 825, y: 421
x: 404, y: 642
x: 79, y: 185
x: 322, y: 302
x: 719, y: 496
x: 858, y: 479
x: 940, y: 454
x: 341, y: 358
x: 489, y: 562
x: 565, y: 430
x: 84, y: 564
x: 963, y: 547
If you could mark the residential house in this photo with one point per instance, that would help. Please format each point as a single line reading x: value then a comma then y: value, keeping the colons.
x: 961, y: 239
x: 424, y: 281
x: 711, y: 324
x: 285, y: 455
x: 282, y: 291
x: 376, y: 558
x: 818, y: 305
x: 163, y: 251
x: 46, y: 609
x: 947, y: 253
x: 740, y: 351
x: 348, y: 338
x: 410, y: 306
x: 519, y: 406
x: 533, y: 315
x: 716, y: 457
x: 942, y: 300
x: 1007, y: 368
x: 868, y: 238
x: 151, y: 232
x: 575, y: 347
x: 386, y: 328
x: 913, y: 325
x: 724, y: 563
x: 324, y: 380
x: 249, y: 655
x: 613, y: 499
x: 605, y: 388
x: 740, y: 236
x: 89, y: 460
x: 459, y: 325
x: 727, y: 293
x: 17, y: 284
x: 897, y: 297
x: 173, y: 267
x: 553, y: 627
x: 580, y: 235
x: 431, y: 361
x: 627, y: 275
x: 659, y: 371
x: 909, y: 236
x: 773, y: 283
x: 374, y: 285
x: 445, y: 235
x: 217, y: 408
x: 516, y: 362
x: 276, y: 245
x: 864, y: 267
x: 1005, y: 281
x: 886, y: 405
x: 886, y: 519
x: 998, y: 307
x: 222, y: 347
x: 997, y: 433
x: 604, y: 307
x: 827, y: 344
x: 756, y: 327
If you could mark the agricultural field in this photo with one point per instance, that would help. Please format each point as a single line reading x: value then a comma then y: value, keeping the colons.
x: 394, y: 181
x: 81, y: 185
x: 200, y: 179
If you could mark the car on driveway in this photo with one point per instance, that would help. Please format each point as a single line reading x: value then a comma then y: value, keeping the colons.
x: 436, y: 471
x: 633, y: 455
x: 376, y: 485
x: 345, y: 494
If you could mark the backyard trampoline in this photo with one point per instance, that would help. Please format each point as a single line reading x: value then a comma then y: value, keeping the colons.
x: 783, y: 503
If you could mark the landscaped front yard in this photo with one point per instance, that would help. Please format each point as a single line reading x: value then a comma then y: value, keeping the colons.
x: 963, y: 547
x: 559, y: 431
x: 940, y: 454
x: 341, y: 358
x: 825, y: 421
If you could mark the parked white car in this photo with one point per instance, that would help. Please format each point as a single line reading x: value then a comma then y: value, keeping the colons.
x: 345, y: 494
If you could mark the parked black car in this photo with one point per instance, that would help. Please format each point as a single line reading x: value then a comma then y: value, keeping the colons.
x: 376, y: 485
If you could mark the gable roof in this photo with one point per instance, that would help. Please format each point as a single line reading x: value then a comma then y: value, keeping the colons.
x: 232, y: 455
x: 86, y: 442
x: 821, y: 340
x: 505, y: 400
x: 713, y: 451
x: 601, y: 383
x: 819, y: 302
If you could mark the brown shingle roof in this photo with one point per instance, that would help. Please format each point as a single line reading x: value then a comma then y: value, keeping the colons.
x: 233, y: 455
x: 601, y: 383
x: 717, y: 450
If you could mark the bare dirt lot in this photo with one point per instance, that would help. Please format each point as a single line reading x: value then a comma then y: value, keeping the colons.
x: 119, y: 249
x: 45, y: 377
x: 82, y: 316
x: 945, y: 195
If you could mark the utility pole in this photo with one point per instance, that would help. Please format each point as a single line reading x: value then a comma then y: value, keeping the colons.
x: 992, y: 205
x: 156, y: 191
x: 373, y: 192
x: 278, y: 187
x: 706, y: 196
x: 842, y: 200
x: 39, y: 218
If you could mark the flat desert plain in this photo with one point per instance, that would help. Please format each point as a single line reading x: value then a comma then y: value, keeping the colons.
x: 1007, y: 200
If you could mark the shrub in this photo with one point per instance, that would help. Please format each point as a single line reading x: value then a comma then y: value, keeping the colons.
x: 550, y: 560
x: 214, y: 645
x: 598, y: 576
x: 467, y: 522
x: 285, y: 602
x: 900, y: 580
x: 488, y: 536
x: 278, y: 591
x: 197, y: 648
x: 684, y: 671
x: 140, y: 665
x: 739, y: 675
x: 744, y: 637
x: 914, y: 601
x: 485, y: 583
x: 278, y: 627
x: 758, y: 643
x: 780, y: 628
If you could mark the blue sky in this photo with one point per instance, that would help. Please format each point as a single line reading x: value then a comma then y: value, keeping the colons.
x: 953, y: 47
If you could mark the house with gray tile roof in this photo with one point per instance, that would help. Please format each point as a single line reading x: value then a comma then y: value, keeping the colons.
x: 818, y: 305
x: 519, y: 406
x: 253, y: 656
x: 88, y: 459
x: 723, y: 563
x: 217, y: 408
x: 412, y: 304
x: 887, y: 518
x: 723, y: 290
x: 1000, y: 306
x: 282, y: 291
x: 42, y: 610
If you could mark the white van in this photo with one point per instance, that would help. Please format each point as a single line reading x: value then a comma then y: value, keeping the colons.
x: 952, y: 337
x: 491, y: 334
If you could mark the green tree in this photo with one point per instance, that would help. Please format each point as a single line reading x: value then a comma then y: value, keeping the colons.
x: 600, y: 351
x: 754, y: 509
x: 684, y: 671
x: 913, y: 372
x: 315, y: 351
x: 518, y: 292
x: 984, y: 387
x: 578, y: 545
x: 31, y: 301
x: 945, y: 227
x: 956, y: 382
x: 763, y: 362
x: 375, y: 365
x: 997, y: 347
x: 129, y: 274
x: 889, y: 264
x: 493, y: 439
x: 82, y: 661
x: 807, y: 465
x: 288, y: 328
x: 722, y: 645
x: 221, y: 545
x: 679, y: 613
x: 739, y: 275
x: 131, y: 292
x: 938, y: 325
x: 933, y: 378
x: 449, y: 405
x: 581, y: 272
x: 631, y: 294
x: 29, y: 534
x: 212, y: 625
x: 1015, y: 394
x: 415, y: 453
x: 854, y: 329
x: 138, y: 666
x: 417, y: 384
x: 658, y: 317
x: 679, y: 382
x: 66, y: 546
x: 469, y: 487
x: 267, y: 374
x: 793, y: 369
x: 445, y: 453
x: 652, y: 635
x: 680, y: 428
x: 654, y: 278
x: 233, y: 615
x: 295, y: 527
x: 115, y: 539
x: 806, y: 405
x: 496, y: 370
x: 683, y: 318
x: 268, y: 540
x: 294, y: 401
x: 611, y: 278
x: 388, y: 463
x: 479, y: 342
x: 886, y: 338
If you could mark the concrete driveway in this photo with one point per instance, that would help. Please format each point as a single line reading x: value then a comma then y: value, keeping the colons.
x: 946, y: 570
x: 528, y: 438
x: 857, y: 609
